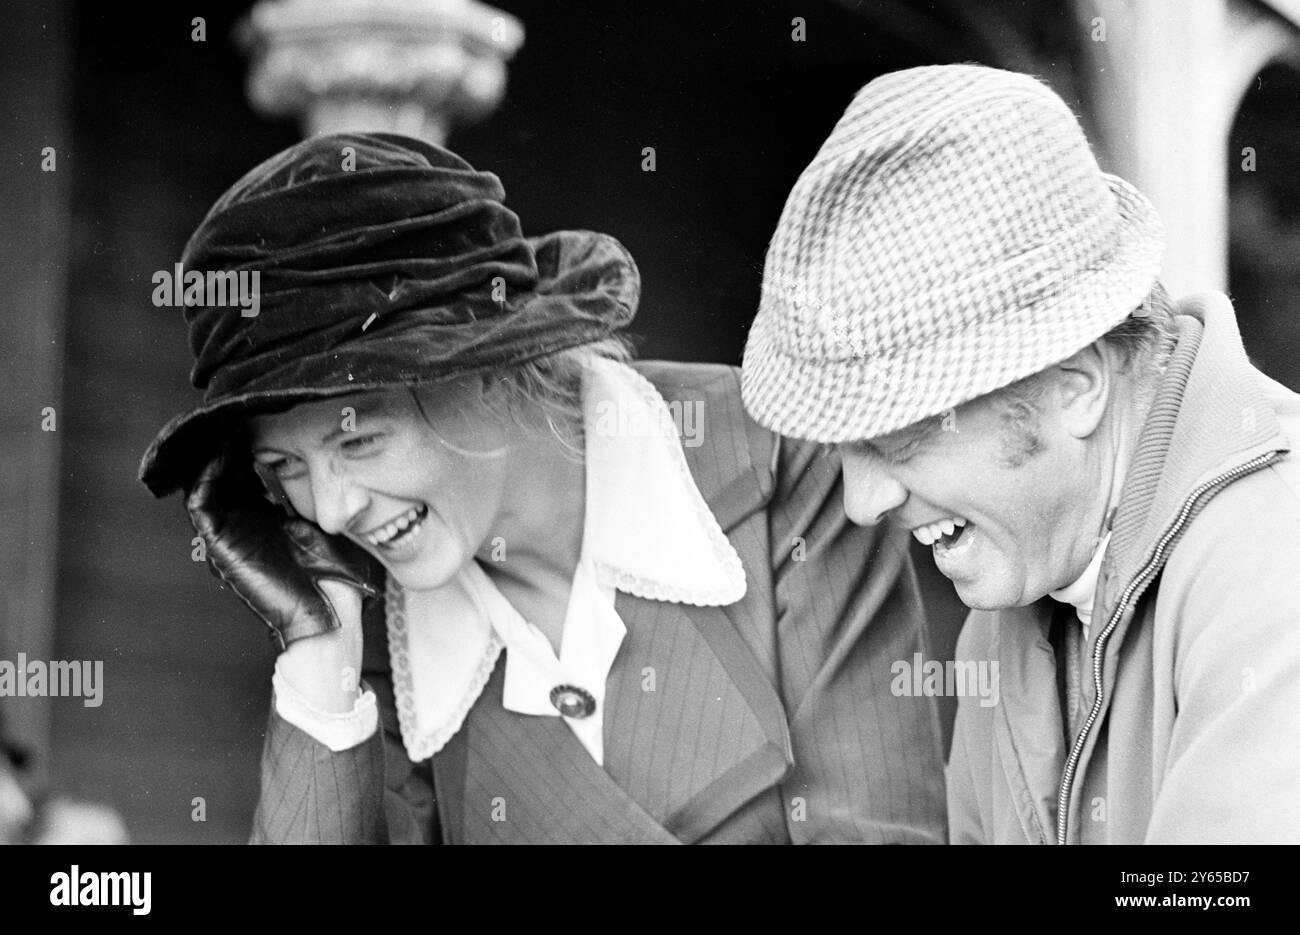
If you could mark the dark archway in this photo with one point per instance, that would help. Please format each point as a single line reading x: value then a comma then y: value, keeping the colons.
x: 1264, y: 221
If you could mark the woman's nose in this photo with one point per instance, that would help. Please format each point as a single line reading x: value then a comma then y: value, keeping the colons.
x: 870, y: 491
x: 336, y: 499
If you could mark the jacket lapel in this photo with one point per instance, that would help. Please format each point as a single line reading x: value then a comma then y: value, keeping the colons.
x: 713, y: 734
x: 525, y: 779
x: 1029, y: 728
x: 694, y: 728
x: 693, y: 731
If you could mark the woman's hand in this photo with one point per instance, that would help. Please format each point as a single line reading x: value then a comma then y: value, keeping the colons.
x: 326, y: 669
x: 305, y: 585
x: 301, y: 582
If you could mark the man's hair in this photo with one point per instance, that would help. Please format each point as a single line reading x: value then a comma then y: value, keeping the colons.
x: 1145, y: 337
x: 1143, y: 341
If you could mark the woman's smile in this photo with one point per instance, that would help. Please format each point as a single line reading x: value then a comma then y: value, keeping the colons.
x: 395, y: 537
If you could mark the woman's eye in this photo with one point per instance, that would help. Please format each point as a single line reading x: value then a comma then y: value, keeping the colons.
x: 283, y: 468
x: 360, y: 443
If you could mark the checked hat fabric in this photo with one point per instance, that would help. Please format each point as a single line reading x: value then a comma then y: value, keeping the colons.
x: 953, y: 235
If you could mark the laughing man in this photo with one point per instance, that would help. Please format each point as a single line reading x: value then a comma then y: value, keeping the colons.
x: 969, y: 308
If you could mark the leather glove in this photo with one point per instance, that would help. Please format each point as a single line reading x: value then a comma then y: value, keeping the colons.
x: 273, y: 560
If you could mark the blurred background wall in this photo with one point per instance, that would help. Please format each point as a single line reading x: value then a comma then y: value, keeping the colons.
x: 1196, y: 101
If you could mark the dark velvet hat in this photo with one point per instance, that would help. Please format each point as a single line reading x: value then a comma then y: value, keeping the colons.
x: 382, y: 261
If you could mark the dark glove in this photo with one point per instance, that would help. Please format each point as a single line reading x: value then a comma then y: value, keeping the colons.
x: 273, y: 561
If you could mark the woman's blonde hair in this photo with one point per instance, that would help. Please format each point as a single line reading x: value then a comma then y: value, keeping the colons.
x: 545, y: 394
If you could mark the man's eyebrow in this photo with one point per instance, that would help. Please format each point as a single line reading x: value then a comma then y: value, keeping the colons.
x: 904, y: 442
x: 860, y: 446
x: 870, y: 448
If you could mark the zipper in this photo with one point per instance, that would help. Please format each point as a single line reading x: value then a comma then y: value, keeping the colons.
x: 1138, y: 583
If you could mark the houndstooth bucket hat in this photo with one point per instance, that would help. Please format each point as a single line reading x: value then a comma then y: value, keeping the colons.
x: 953, y: 235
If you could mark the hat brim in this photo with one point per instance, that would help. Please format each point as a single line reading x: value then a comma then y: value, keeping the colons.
x: 568, y: 263
x: 861, y: 397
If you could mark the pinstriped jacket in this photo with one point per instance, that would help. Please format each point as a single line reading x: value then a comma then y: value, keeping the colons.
x: 772, y: 720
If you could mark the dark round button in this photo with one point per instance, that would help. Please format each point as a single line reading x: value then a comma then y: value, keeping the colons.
x: 572, y: 701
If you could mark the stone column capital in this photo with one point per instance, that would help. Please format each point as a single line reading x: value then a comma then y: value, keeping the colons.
x: 405, y: 66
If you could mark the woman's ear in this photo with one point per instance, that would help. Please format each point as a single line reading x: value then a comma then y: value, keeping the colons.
x: 1084, y: 383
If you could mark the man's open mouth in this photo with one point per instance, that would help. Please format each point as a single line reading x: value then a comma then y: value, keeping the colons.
x: 398, y: 531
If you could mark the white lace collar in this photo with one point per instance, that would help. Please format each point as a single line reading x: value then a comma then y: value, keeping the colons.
x: 648, y: 532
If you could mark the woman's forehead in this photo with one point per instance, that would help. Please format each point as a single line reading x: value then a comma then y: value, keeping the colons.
x: 342, y: 411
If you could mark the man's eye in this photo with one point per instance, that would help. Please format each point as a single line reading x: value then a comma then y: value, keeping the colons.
x: 868, y: 449
x: 904, y: 454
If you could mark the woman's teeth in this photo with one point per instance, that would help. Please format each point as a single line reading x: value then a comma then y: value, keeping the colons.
x: 933, y: 532
x: 400, y: 528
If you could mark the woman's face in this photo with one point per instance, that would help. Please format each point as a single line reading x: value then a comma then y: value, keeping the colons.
x: 420, y: 495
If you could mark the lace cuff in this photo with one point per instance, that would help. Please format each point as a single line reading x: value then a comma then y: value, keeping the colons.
x: 336, y: 731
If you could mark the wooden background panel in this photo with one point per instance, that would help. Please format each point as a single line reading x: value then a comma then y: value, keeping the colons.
x: 34, y: 114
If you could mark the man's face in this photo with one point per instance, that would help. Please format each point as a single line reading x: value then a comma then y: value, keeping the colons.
x: 997, y: 502
x: 420, y: 495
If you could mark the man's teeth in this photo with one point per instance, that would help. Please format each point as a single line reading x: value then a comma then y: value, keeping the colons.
x: 933, y: 532
x: 395, y: 528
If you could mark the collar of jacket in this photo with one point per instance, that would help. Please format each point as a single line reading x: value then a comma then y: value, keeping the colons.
x: 1209, y: 416
x: 741, y: 484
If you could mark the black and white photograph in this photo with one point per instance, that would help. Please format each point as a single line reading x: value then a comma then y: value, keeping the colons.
x: 684, y: 422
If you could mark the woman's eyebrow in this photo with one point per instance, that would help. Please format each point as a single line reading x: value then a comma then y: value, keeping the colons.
x: 361, y: 408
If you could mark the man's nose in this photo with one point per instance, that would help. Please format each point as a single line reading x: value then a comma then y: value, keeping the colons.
x: 869, y: 490
x: 336, y: 499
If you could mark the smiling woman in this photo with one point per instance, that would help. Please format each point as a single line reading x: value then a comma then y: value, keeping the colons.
x: 509, y: 606
x: 395, y: 471
x: 418, y: 477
